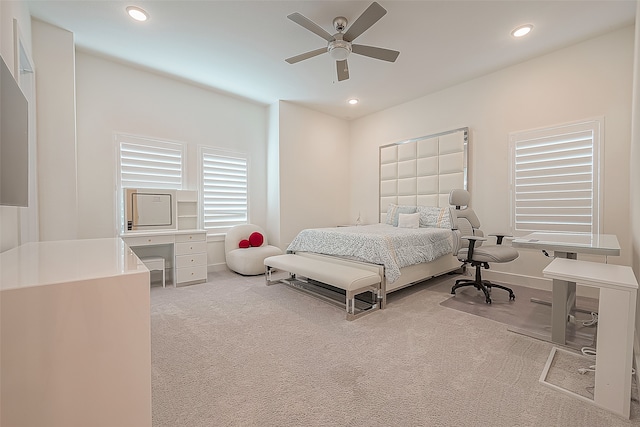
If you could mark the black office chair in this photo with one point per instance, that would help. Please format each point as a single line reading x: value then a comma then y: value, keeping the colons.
x: 469, y: 249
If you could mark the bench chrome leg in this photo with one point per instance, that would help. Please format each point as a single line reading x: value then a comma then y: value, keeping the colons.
x: 350, y: 302
x: 268, y: 276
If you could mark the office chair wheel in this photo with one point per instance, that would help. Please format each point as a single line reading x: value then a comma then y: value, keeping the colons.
x: 512, y: 297
x: 488, y: 300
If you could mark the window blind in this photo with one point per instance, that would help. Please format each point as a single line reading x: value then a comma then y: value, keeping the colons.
x: 224, y: 191
x: 555, y: 178
x: 151, y: 164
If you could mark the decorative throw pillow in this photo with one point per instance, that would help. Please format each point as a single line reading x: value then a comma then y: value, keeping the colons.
x: 244, y: 244
x: 256, y: 239
x: 435, y: 217
x: 394, y: 210
x: 409, y: 220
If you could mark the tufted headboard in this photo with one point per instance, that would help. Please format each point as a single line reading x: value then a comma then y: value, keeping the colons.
x: 422, y: 171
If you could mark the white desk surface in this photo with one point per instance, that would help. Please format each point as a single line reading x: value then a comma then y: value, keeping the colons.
x: 592, y: 273
x: 61, y: 261
x: 596, y: 244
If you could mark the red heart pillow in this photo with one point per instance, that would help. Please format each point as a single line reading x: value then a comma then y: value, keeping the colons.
x: 244, y: 244
x: 256, y: 239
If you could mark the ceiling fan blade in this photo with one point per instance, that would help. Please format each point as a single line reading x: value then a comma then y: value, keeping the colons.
x: 375, y: 52
x: 306, y: 55
x: 369, y: 17
x: 343, y: 70
x: 310, y: 25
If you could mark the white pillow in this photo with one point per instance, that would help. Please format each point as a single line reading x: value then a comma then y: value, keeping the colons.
x: 431, y: 216
x: 409, y: 220
x: 394, y: 210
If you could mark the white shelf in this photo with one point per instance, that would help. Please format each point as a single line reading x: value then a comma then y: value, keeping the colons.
x: 187, y: 209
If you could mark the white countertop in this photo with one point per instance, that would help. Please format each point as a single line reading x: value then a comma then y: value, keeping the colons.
x: 62, y: 261
x: 598, y: 244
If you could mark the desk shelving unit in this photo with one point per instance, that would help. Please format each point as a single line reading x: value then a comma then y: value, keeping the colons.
x: 187, y: 210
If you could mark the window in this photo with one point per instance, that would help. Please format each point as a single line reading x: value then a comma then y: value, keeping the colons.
x: 555, y: 179
x: 147, y: 163
x: 224, y: 190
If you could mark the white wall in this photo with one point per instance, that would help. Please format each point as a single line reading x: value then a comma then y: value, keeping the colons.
x: 10, y: 217
x: 634, y: 158
x: 314, y: 170
x: 323, y: 171
x: 590, y: 79
x: 307, y: 151
x: 54, y: 56
x: 114, y: 97
x: 634, y: 182
x: 273, y: 176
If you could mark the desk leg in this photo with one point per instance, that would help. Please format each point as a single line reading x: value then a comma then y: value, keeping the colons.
x: 562, y: 304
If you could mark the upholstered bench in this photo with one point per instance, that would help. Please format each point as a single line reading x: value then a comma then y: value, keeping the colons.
x: 353, y: 280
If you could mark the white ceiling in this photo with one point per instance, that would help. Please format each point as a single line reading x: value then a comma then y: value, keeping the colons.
x: 239, y: 47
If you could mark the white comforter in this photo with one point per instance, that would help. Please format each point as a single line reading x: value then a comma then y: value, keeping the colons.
x: 381, y: 244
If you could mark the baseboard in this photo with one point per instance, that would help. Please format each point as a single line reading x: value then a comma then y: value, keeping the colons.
x: 214, y: 268
x: 534, y: 282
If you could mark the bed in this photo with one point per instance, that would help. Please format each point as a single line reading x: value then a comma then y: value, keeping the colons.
x: 405, y: 255
x: 416, y: 177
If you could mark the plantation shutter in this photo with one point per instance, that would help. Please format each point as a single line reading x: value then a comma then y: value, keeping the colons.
x: 224, y: 191
x: 555, y: 179
x: 150, y: 164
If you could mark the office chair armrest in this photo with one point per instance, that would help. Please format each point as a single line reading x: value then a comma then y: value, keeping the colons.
x: 500, y: 236
x: 474, y: 238
x: 472, y: 244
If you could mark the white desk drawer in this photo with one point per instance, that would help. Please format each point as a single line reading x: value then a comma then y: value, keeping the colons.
x: 189, y: 274
x: 148, y: 240
x: 195, y: 237
x: 190, y: 248
x: 191, y: 260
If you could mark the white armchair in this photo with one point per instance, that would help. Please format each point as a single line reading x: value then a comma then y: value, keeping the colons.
x: 247, y: 261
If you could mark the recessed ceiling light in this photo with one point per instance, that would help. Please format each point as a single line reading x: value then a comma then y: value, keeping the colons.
x: 353, y: 101
x: 137, y: 13
x: 522, y: 30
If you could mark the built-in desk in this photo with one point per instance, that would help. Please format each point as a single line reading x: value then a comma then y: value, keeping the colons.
x: 75, y: 340
x: 565, y: 245
x: 616, y: 326
x: 188, y: 251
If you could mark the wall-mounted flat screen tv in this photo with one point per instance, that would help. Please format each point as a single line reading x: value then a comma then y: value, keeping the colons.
x: 14, y: 141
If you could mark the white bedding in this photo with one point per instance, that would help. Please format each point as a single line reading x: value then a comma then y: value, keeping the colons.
x: 381, y: 244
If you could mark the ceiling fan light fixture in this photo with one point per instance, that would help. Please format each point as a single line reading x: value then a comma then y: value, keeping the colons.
x: 339, y: 49
x: 137, y: 13
x: 522, y: 30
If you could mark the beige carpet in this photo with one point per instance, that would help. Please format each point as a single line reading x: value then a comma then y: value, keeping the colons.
x: 522, y: 314
x: 235, y: 352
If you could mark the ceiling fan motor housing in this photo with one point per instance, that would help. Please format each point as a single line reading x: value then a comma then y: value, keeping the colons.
x: 339, y: 49
x: 340, y: 23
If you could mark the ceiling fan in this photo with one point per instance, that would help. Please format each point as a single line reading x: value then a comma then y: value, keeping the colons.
x: 340, y: 45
